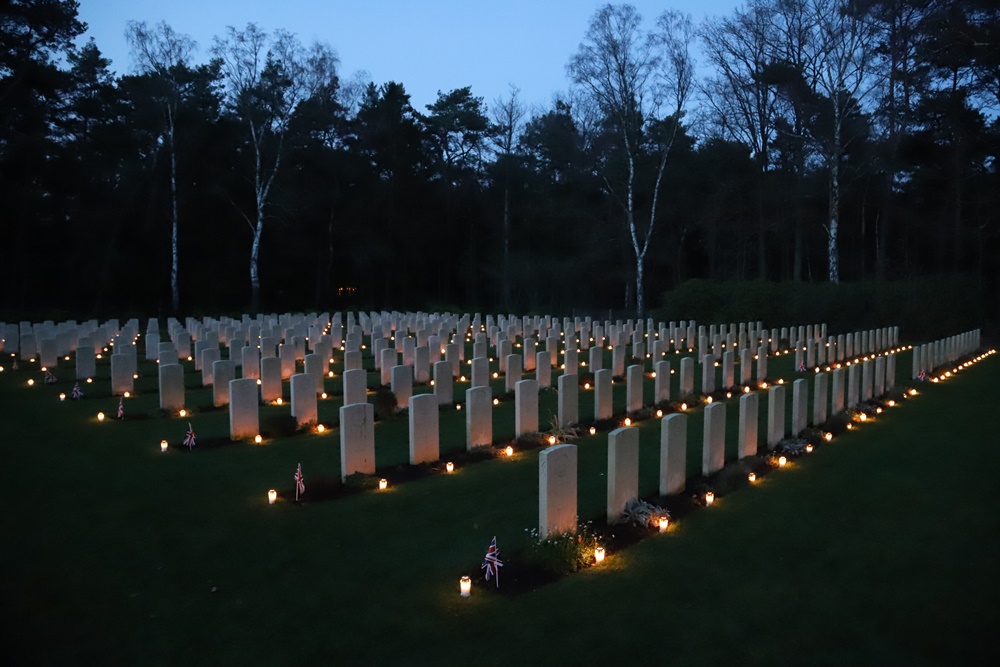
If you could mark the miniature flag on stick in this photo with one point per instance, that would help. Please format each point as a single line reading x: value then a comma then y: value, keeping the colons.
x: 189, y: 438
x: 49, y: 377
x: 14, y: 366
x: 121, y: 408
x: 300, y: 482
x: 77, y: 393
x: 492, y: 562
x: 802, y: 368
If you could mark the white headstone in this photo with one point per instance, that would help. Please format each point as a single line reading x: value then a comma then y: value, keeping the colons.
x: 623, y: 470
x: 557, y: 471
x: 244, y: 419
x: 673, y: 453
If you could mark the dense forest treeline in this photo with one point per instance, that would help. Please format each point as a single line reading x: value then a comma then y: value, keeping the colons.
x: 829, y: 140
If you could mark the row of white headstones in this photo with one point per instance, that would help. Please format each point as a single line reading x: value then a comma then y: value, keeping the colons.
x: 267, y: 349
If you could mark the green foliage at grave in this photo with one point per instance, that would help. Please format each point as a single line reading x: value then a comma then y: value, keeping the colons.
x: 923, y: 308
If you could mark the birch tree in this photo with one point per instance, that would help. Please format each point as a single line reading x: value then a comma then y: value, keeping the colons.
x: 163, y: 54
x: 267, y: 77
x: 641, y: 82
x: 844, y: 76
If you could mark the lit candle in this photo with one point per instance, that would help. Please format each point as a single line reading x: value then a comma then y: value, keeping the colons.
x: 320, y: 428
x: 383, y: 484
x: 684, y: 406
x: 509, y: 451
x: 163, y: 445
x: 809, y: 448
x: 659, y: 413
x: 599, y: 555
x: 828, y: 436
x: 62, y: 397
x: 465, y: 586
x: 323, y: 395
x: 552, y: 439
x: 496, y: 401
x: 449, y: 466
x: 183, y: 413
x: 257, y: 439
x: 752, y: 477
x: 782, y: 461
x: 278, y: 401
x: 593, y: 430
x: 272, y: 495
x: 100, y: 416
x: 709, y: 498
x: 627, y: 422
x: 663, y: 524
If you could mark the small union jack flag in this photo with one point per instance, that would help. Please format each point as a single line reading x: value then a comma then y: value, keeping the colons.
x: 922, y: 376
x: 189, y: 438
x: 492, y: 562
x: 300, y: 482
x: 121, y: 408
x: 77, y: 392
x: 49, y: 377
x: 802, y: 368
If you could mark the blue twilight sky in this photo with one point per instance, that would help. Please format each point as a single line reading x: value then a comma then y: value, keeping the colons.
x: 427, y: 46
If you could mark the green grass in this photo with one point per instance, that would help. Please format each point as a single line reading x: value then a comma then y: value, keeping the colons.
x: 880, y: 548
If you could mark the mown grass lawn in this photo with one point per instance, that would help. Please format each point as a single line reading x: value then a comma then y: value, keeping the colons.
x: 882, y: 547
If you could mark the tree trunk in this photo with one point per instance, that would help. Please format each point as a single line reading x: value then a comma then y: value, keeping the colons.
x: 640, y: 292
x: 833, y: 257
x: 505, y: 288
x: 175, y: 296
x: 254, y: 256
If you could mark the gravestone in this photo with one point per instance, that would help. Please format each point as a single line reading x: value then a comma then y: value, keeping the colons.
x: 746, y: 445
x: 355, y: 386
x: 316, y: 365
x: 867, y: 379
x: 424, y: 434
x: 746, y: 367
x: 853, y: 385
x: 673, y: 453
x: 775, y: 415
x: 543, y: 370
x: 352, y: 360
x: 444, y: 383
x: 122, y: 371
x: 728, y: 370
x: 686, y: 387
x: 304, y: 404
x: 208, y: 358
x: 251, y: 362
x: 390, y: 359
x: 557, y: 471
x: 286, y: 354
x: 421, y: 365
x: 86, y: 362
x: 661, y: 385
x: 525, y: 407
x: 820, y: 400
x: 707, y: 374
x: 402, y: 385
x: 478, y: 417
x: 761, y: 364
x: 837, y: 392
x: 603, y: 396
x: 480, y: 372
x: 244, y: 421
x: 713, y: 453
x: 357, y: 439
x: 595, y: 358
x: 633, y: 389
x: 270, y: 379
x: 223, y: 372
x: 800, y: 406
x: 513, y: 365
x: 569, y: 401
x: 171, y: 382
x: 167, y: 353
x: 623, y: 470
